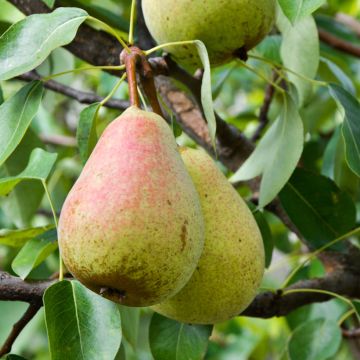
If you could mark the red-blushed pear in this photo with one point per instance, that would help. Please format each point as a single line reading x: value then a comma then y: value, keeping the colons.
x: 131, y: 228
x: 231, y: 266
x: 228, y: 28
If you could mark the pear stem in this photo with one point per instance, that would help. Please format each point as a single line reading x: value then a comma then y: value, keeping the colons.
x: 148, y: 83
x: 130, y: 60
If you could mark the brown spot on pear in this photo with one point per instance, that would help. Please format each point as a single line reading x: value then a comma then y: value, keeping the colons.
x: 117, y: 233
x: 226, y: 27
x: 230, y: 270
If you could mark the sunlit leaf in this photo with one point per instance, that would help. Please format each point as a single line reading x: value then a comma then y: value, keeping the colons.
x: 81, y: 324
x: 27, y: 43
x: 298, y: 9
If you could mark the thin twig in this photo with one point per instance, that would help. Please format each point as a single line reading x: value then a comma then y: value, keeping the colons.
x: 339, y: 44
x: 19, y: 326
x: 351, y: 333
x: 80, y: 96
x: 263, y: 116
x: 349, y: 21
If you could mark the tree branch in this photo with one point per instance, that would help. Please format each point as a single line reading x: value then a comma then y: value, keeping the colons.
x: 339, y: 44
x: 31, y: 311
x: 80, y: 96
x: 265, y: 305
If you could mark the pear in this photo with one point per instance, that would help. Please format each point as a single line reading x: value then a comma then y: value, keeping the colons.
x: 228, y: 28
x: 232, y: 263
x: 131, y: 227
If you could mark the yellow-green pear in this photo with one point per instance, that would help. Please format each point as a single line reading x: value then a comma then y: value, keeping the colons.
x: 231, y: 266
x: 228, y: 28
x: 131, y: 228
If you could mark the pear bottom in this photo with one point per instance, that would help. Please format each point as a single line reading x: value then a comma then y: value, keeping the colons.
x: 231, y: 266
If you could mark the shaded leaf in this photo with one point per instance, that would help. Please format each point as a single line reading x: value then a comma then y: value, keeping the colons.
x: 351, y: 126
x: 356, y: 304
x: 276, y: 155
x: 49, y: 3
x: 266, y: 236
x: 86, y: 131
x: 14, y: 357
x: 206, y: 93
x: 34, y: 253
x: 171, y: 340
x: 317, y: 207
x: 298, y: 9
x: 344, y: 80
x: 130, y: 320
x: 38, y: 168
x: 17, y: 238
x: 27, y: 43
x: 16, y: 114
x: 316, y: 339
x: 80, y: 324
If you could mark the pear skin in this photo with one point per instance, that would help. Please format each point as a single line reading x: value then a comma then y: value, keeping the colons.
x: 231, y: 266
x: 228, y: 28
x: 131, y: 228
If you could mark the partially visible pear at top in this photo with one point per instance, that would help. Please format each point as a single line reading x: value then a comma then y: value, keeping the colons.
x: 132, y: 228
x: 226, y: 27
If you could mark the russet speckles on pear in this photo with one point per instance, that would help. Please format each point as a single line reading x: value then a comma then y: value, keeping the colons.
x: 131, y: 228
x: 231, y: 266
x: 226, y: 27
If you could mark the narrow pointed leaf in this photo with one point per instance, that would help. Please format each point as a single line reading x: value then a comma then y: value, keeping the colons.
x: 276, y: 155
x: 16, y: 114
x: 206, y: 93
x: 356, y: 304
x: 34, y: 252
x: 86, y: 131
x: 170, y: 339
x: 351, y: 126
x: 38, y: 168
x: 27, y: 43
x: 81, y: 324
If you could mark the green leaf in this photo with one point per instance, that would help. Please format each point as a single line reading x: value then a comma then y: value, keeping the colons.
x: 356, y: 304
x: 351, y: 126
x: 86, y: 131
x: 206, y: 93
x: 170, y: 339
x: 300, y: 51
x: 17, y: 238
x: 14, y: 357
x: 80, y: 324
x: 27, y: 43
x: 49, y: 3
x: 317, y: 339
x: 266, y: 236
x: 298, y: 9
x: 317, y: 207
x: 344, y: 80
x: 23, y: 201
x: 16, y: 114
x: 130, y: 320
x: 276, y: 155
x: 34, y: 253
x: 38, y: 168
